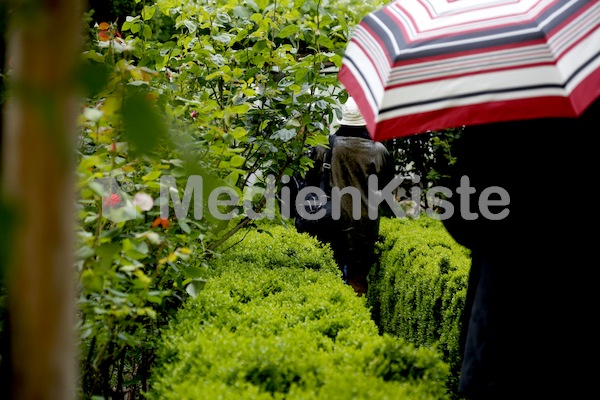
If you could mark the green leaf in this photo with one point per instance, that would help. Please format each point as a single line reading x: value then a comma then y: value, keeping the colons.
x: 194, y: 287
x: 242, y: 12
x: 223, y: 17
x: 135, y: 251
x: 240, y: 109
x: 301, y: 73
x: 256, y: 18
x: 144, y: 279
x: 252, y: 4
x: 142, y: 247
x: 239, y: 132
x: 94, y: 56
x: 151, y: 176
x: 232, y: 178
x: 325, y: 41
x: 190, y: 25
x: 126, y: 337
x: 262, y: 4
x: 147, y: 32
x: 154, y: 185
x: 84, y: 252
x: 184, y: 226
x: 154, y: 299
x: 288, y: 31
x: 224, y: 164
x: 92, y: 282
x: 107, y: 252
x: 129, y: 268
x: 148, y: 12
x: 237, y: 161
x: 193, y: 272
x: 223, y: 38
x: 165, y: 6
x: 142, y: 124
x: 93, y: 77
x: 284, y: 134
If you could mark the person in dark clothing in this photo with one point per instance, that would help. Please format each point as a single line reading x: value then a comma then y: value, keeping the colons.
x: 531, y: 302
x: 355, y: 158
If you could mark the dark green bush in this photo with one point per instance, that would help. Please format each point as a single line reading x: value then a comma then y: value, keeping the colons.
x: 418, y: 290
x: 265, y: 326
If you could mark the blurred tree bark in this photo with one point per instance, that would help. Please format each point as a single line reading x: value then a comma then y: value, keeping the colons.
x: 43, y: 43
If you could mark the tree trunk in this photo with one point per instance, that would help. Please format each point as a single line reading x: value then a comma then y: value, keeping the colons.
x: 37, y: 154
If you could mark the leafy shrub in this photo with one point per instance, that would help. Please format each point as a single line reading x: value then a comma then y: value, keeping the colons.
x: 418, y: 289
x: 226, y: 90
x: 266, y: 331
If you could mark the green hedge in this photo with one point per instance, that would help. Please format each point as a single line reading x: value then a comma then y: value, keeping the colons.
x: 275, y: 321
x: 418, y: 290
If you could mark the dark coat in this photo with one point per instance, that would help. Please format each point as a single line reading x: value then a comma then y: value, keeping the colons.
x: 531, y: 300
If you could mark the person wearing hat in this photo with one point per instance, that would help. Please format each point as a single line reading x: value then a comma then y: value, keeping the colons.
x: 355, y: 157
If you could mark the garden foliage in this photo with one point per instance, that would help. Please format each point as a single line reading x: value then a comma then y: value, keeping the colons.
x: 231, y: 91
x: 288, y: 328
x: 228, y: 91
x: 418, y: 290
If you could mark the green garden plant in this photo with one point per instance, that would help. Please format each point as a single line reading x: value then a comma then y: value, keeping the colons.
x: 418, y: 288
x: 286, y: 329
x: 233, y: 93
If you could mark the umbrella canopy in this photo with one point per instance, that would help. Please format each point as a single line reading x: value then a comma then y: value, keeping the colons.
x: 420, y: 65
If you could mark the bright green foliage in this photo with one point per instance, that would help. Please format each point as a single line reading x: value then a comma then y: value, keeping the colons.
x: 225, y: 90
x: 265, y: 330
x: 280, y: 247
x: 418, y: 290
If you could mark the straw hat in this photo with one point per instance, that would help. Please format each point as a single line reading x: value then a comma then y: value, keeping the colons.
x: 351, y: 115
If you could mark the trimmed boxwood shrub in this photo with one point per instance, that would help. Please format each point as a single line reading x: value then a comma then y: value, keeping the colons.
x: 417, y: 292
x: 275, y: 321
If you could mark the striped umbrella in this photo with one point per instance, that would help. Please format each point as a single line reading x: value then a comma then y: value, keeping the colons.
x: 420, y: 65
